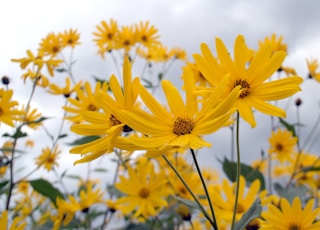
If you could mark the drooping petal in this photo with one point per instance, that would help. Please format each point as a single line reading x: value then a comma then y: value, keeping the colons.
x: 267, y: 108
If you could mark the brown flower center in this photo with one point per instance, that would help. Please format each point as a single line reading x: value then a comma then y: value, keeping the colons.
x: 244, y: 87
x: 240, y: 208
x: 92, y: 107
x: 114, y: 121
x: 144, y: 193
x: 182, y: 126
x: 279, y: 147
x: 294, y: 226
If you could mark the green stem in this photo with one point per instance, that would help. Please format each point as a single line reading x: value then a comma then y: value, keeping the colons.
x: 238, y: 174
x: 205, y: 188
x: 190, y: 191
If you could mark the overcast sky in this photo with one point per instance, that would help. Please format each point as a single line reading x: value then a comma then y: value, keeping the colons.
x: 184, y: 23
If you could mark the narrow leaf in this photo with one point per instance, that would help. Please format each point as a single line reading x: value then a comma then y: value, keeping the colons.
x: 46, y: 189
x: 288, y: 126
x: 84, y: 140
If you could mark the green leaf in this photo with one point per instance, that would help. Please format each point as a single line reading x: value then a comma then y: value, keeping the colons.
x: 253, y: 212
x: 100, y: 170
x: 84, y: 140
x: 75, y: 177
x: 61, y: 70
x: 3, y: 184
x: 189, y: 203
x: 249, y: 173
x: 62, y: 136
x: 288, y: 126
x: 16, y: 135
x: 148, y: 84
x: 112, y: 190
x: 46, y: 189
x: 310, y: 169
x: 291, y: 193
x: 140, y: 226
x: 160, y: 76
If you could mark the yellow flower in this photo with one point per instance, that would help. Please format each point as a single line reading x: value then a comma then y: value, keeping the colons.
x: 70, y: 38
x: 282, y: 145
x: 145, y: 191
x: 51, y: 44
x: 106, y: 36
x: 146, y: 34
x: 66, y: 210
x: 31, y: 116
x: 106, y: 123
x: 252, y: 78
x: 89, y: 197
x: 313, y: 66
x: 48, y: 158
x: 66, y: 91
x: 185, y: 123
x: 18, y: 222
x: 291, y: 216
x: 223, y: 199
x: 178, y: 53
x: 8, y: 112
x: 276, y: 43
x: 126, y: 38
x: 86, y: 101
x: 29, y: 143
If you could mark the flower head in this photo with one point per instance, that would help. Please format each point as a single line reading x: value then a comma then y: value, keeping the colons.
x: 48, y: 158
x: 185, y: 123
x: 282, y: 144
x: 145, y: 191
x: 251, y: 77
x: 292, y: 217
x: 8, y: 111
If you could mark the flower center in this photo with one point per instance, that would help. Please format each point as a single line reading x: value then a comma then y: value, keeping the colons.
x: 144, y: 38
x: 240, y: 208
x: 279, y: 147
x: 253, y: 225
x: 244, y: 87
x: 1, y: 111
x: 114, y: 121
x: 294, y: 226
x: 92, y: 107
x: 182, y: 126
x: 144, y: 193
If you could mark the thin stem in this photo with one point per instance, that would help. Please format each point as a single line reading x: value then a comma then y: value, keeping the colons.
x: 205, y: 188
x: 189, y: 190
x: 238, y: 174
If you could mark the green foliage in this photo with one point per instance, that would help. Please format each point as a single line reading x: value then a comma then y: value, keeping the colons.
x: 250, y: 174
x: 45, y: 188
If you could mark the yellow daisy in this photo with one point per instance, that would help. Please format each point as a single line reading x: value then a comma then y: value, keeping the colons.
x: 8, y: 111
x: 106, y: 124
x: 146, y: 34
x: 291, y: 217
x: 282, y: 145
x: 70, y: 38
x: 48, y: 158
x: 145, y: 191
x: 18, y: 223
x: 185, y: 123
x: 252, y: 78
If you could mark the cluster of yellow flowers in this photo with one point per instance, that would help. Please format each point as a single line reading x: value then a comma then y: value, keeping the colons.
x: 156, y: 185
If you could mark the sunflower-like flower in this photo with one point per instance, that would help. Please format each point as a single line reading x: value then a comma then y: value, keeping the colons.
x: 106, y: 124
x: 146, y: 34
x: 106, y: 36
x: 145, y: 191
x: 185, y: 123
x: 276, y: 43
x: 8, y: 111
x: 48, y: 158
x: 223, y: 199
x: 66, y: 90
x: 18, y: 223
x: 86, y: 100
x: 291, y: 216
x: 252, y: 77
x: 70, y: 38
x: 282, y: 144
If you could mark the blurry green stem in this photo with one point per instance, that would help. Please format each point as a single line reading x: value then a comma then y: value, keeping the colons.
x: 238, y: 174
x: 190, y: 191
x: 205, y: 188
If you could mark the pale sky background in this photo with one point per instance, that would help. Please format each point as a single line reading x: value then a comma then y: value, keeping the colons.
x: 181, y: 23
